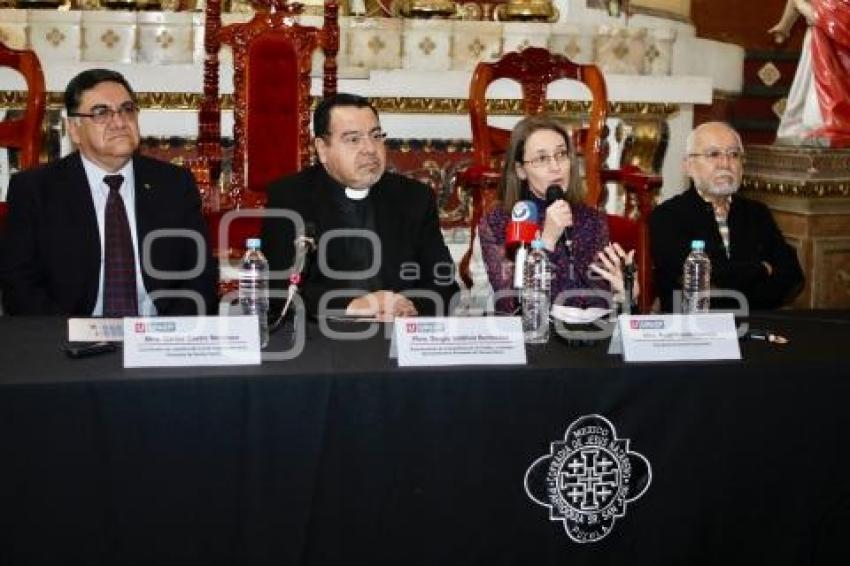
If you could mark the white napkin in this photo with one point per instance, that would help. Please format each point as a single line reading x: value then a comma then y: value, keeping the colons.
x: 575, y: 315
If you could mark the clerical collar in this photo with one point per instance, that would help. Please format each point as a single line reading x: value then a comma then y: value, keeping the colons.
x: 356, y: 194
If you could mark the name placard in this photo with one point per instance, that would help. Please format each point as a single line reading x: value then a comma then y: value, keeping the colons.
x: 191, y: 341
x: 95, y: 330
x: 474, y: 340
x: 677, y: 337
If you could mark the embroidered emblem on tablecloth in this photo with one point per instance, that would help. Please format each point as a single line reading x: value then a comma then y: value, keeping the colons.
x: 588, y: 478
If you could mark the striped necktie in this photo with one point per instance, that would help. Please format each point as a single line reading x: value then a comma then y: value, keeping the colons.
x: 119, y: 273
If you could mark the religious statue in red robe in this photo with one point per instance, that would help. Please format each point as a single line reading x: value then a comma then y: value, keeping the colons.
x: 818, y: 108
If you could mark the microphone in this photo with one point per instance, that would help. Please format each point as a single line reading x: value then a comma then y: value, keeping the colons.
x: 628, y: 287
x: 521, y: 231
x: 304, y: 245
x: 555, y: 193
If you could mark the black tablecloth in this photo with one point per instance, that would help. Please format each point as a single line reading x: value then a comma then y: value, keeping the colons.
x: 338, y: 456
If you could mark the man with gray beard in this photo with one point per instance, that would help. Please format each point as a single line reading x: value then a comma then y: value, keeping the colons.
x: 748, y: 252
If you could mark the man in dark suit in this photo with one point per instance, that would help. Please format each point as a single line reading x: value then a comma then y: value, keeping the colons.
x: 105, y: 231
x: 398, y: 263
x: 748, y: 252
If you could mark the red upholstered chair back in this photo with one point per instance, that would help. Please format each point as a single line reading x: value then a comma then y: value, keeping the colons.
x: 631, y: 230
x: 272, y: 65
x: 623, y: 231
x: 24, y: 133
x: 534, y: 68
x: 271, y: 127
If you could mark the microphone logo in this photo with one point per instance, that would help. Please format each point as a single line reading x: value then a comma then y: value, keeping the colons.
x: 524, y: 211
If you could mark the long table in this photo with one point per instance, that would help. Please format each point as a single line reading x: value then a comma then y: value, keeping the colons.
x: 338, y: 456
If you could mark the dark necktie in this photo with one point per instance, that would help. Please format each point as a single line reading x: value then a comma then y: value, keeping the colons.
x: 119, y: 273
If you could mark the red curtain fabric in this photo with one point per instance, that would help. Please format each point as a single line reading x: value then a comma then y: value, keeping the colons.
x: 831, y: 61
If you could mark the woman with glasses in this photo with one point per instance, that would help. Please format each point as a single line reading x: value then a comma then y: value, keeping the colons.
x: 585, y: 265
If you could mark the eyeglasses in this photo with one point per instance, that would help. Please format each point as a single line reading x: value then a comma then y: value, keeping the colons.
x: 101, y: 113
x: 715, y: 155
x: 353, y: 140
x: 561, y: 157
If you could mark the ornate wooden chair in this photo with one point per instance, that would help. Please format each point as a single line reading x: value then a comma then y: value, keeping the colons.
x: 534, y: 68
x: 24, y: 133
x: 272, y: 65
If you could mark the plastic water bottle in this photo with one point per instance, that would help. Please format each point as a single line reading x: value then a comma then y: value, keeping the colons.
x: 696, y: 280
x: 534, y: 296
x: 519, y: 266
x: 254, y: 286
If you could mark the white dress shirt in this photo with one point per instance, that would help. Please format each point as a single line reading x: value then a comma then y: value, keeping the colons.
x: 99, y: 193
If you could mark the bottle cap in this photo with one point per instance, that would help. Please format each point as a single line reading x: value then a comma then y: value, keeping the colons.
x: 253, y: 243
x: 537, y: 244
x: 698, y: 245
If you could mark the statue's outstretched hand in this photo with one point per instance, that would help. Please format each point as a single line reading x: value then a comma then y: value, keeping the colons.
x: 779, y: 33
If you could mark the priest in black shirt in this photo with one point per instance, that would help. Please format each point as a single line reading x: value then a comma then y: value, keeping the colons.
x: 380, y: 250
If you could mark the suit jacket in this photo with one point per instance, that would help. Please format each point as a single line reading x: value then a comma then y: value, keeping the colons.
x: 753, y: 238
x: 413, y: 253
x: 51, y: 256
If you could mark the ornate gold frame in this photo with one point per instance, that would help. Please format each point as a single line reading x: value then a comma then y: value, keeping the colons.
x: 13, y: 99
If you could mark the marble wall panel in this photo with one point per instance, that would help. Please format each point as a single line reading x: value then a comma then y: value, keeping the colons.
x: 621, y: 50
x: 165, y: 37
x: 518, y: 35
x: 13, y: 28
x: 108, y: 36
x: 573, y: 41
x: 375, y: 43
x: 54, y: 35
x: 659, y: 51
x: 426, y: 45
x: 473, y: 42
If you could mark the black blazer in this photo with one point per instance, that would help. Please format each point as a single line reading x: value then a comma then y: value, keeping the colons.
x: 753, y: 238
x: 50, y: 263
x: 413, y: 253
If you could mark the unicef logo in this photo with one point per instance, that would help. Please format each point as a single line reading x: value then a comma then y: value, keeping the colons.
x: 523, y: 212
x: 587, y: 479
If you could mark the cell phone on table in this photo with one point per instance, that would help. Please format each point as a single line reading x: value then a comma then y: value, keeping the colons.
x: 85, y: 349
